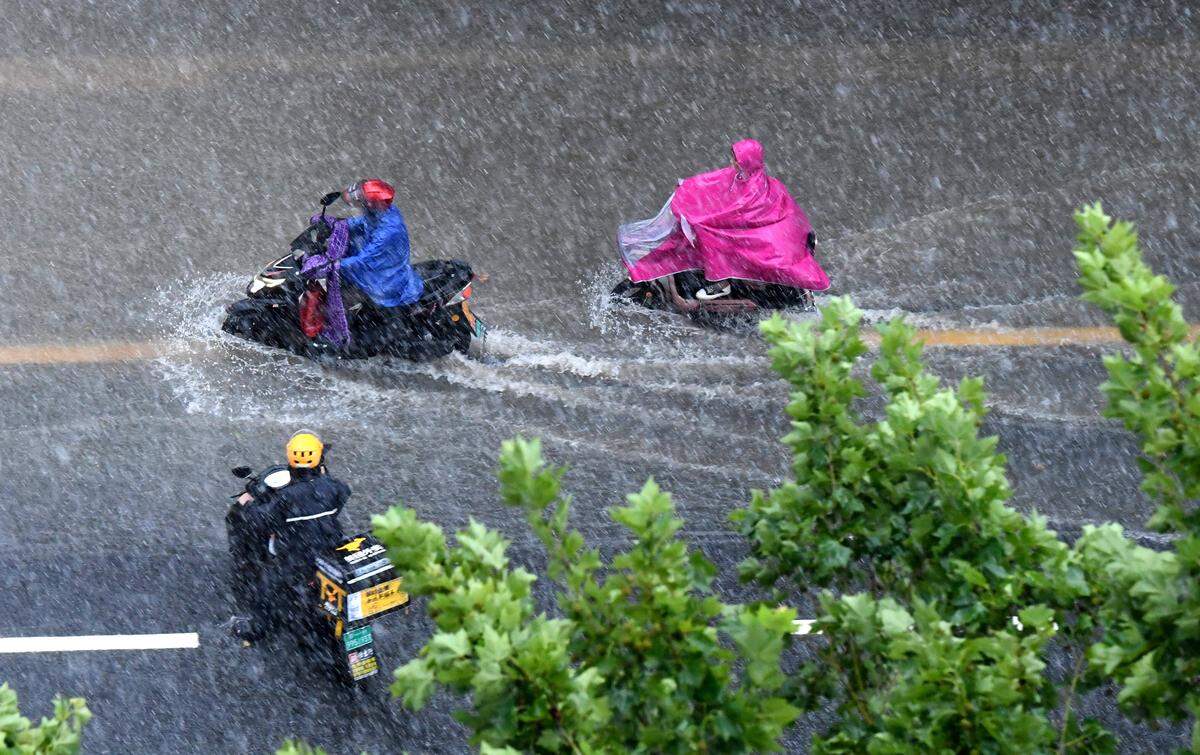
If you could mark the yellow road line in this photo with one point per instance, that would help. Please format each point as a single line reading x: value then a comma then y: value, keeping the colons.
x: 132, y: 351
x: 1026, y: 337
x: 1020, y: 337
x: 81, y: 353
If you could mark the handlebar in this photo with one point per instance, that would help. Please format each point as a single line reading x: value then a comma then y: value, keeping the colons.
x: 312, y: 239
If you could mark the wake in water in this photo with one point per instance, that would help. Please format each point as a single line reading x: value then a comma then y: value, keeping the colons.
x: 210, y: 370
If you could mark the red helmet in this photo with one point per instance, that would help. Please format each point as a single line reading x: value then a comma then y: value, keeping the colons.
x: 372, y: 193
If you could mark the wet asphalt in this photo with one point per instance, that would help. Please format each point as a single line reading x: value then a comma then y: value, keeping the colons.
x: 158, y: 154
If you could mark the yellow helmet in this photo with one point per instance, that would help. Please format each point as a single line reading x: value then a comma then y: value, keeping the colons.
x: 304, y: 450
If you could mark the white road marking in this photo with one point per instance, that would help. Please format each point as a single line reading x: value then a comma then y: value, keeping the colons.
x: 99, y: 642
x: 804, y: 626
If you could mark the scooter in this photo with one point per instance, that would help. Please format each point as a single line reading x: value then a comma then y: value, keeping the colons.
x: 353, y: 585
x: 440, y: 322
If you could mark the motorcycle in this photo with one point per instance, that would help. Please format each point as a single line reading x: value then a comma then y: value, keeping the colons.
x: 440, y: 322
x: 353, y: 585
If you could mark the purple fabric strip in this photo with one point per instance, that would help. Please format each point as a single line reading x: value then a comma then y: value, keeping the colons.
x: 328, y: 265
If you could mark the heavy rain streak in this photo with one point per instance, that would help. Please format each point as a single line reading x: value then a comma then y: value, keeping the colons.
x: 159, y: 154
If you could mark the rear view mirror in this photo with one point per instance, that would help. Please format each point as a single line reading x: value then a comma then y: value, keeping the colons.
x: 241, y: 472
x: 330, y: 198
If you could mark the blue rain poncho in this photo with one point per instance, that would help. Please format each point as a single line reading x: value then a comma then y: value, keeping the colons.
x: 378, y: 262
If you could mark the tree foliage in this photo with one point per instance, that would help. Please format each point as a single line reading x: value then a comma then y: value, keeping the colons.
x: 1150, y: 600
x: 636, y: 663
x: 917, y: 686
x: 58, y: 735
x: 490, y: 642
x: 912, y: 509
x: 910, y: 505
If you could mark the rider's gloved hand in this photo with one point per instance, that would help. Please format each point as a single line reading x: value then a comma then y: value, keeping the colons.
x: 247, y: 630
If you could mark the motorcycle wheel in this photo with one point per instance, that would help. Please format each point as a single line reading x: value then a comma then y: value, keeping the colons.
x: 645, y: 294
x: 624, y: 289
x: 428, y: 350
x: 432, y: 336
x: 257, y: 328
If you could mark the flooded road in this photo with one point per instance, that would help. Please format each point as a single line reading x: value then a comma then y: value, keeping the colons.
x: 158, y: 158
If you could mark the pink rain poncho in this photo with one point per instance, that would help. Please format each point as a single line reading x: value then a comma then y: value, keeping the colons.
x: 730, y: 223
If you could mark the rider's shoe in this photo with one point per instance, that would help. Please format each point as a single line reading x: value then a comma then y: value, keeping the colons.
x: 713, y: 291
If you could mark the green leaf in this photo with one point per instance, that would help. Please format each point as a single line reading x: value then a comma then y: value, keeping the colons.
x: 413, y: 684
x: 448, y: 646
x: 969, y: 573
x: 1036, y: 617
x: 895, y: 620
x: 299, y: 747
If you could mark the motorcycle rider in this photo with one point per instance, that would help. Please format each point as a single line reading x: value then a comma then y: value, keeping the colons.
x: 292, y: 523
x: 377, y: 259
x: 733, y: 223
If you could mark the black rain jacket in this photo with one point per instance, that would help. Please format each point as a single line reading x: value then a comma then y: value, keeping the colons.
x: 303, y: 519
